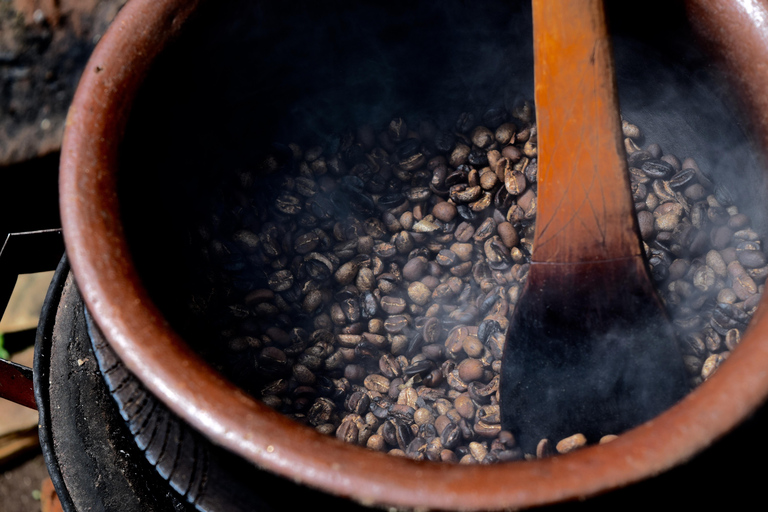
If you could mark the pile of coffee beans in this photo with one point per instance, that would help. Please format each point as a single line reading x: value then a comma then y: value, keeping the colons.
x: 364, y: 288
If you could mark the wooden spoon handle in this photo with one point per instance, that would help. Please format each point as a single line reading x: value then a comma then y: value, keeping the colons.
x: 585, y: 210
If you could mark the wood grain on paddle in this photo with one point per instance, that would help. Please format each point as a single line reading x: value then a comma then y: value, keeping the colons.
x: 589, y: 348
x: 585, y: 210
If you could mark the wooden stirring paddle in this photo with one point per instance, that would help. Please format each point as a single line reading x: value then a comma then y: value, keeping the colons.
x: 589, y: 348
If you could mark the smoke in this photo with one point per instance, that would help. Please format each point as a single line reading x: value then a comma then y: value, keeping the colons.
x: 598, y: 359
x: 328, y: 68
x: 669, y: 87
x: 249, y: 74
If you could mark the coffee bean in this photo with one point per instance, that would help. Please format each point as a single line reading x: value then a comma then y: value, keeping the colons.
x: 508, y: 234
x: 376, y: 382
x: 415, y: 268
x: 395, y: 323
x: 711, y: 364
x: 738, y: 222
x: 464, y: 406
x: 393, y: 305
x: 444, y: 211
x: 419, y: 293
x: 404, y: 251
x: 742, y: 284
x: 348, y: 431
x: 666, y: 222
x: 657, y: 169
x: 752, y: 258
x: 470, y: 370
x: 446, y: 258
x: 482, y: 137
x: 682, y: 178
x: 514, y: 182
x: 571, y: 443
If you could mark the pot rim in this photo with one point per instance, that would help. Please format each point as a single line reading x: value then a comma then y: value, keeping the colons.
x: 136, y: 329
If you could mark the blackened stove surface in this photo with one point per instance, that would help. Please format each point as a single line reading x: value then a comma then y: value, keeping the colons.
x: 90, y: 454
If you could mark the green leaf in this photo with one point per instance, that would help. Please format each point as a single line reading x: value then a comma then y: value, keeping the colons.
x: 3, y: 353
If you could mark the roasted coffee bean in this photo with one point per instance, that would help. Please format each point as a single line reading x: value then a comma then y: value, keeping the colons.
x: 403, y: 435
x: 450, y: 437
x: 485, y: 230
x: 637, y: 158
x: 415, y: 268
x: 425, y: 226
x: 419, y: 293
x: 389, y: 432
x: 389, y: 366
x: 395, y: 323
x: 682, y: 178
x: 280, y: 281
x: 459, y: 155
x: 505, y: 134
x: 402, y: 412
x: 486, y: 329
x: 417, y: 449
x: 508, y: 234
x: 432, y: 330
x: 404, y: 251
x: 348, y: 431
x: 753, y: 258
x: 463, y: 193
x: 571, y: 443
x: 392, y: 200
x: 415, y: 342
x: 393, y: 305
x: 470, y: 370
x: 376, y: 382
x: 357, y: 402
x: 422, y: 367
x: 657, y: 169
x: 444, y: 211
x: 723, y: 195
x: 446, y: 258
x: 482, y: 137
x: 514, y: 182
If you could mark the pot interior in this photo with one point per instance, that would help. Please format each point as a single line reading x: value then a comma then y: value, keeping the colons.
x: 246, y: 79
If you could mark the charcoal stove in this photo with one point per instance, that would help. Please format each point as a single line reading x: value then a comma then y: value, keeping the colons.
x: 98, y: 460
x: 110, y: 445
x: 96, y: 429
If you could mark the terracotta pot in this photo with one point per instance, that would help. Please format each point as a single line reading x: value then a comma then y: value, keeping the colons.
x: 118, y: 299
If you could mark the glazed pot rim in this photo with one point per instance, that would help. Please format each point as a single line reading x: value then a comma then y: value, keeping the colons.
x: 136, y: 329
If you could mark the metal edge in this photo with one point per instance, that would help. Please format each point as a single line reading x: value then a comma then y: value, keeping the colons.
x: 41, y: 372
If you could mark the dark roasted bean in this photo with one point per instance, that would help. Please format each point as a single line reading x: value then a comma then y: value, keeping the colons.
x: 348, y: 431
x: 420, y: 368
x: 450, y: 436
x: 486, y: 329
x: 654, y: 168
x: 403, y: 435
x: 406, y: 249
x: 682, y: 178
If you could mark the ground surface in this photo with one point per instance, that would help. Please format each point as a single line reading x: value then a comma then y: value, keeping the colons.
x: 20, y: 485
x: 44, y: 45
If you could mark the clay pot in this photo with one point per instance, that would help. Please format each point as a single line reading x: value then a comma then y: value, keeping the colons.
x: 119, y: 302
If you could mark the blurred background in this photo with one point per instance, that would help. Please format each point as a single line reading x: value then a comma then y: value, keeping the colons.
x: 44, y: 46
